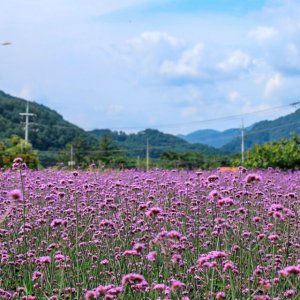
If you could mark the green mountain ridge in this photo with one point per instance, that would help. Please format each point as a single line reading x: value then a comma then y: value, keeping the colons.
x: 50, y: 133
x: 229, y: 141
x: 47, y: 131
x: 135, y: 143
x: 266, y: 131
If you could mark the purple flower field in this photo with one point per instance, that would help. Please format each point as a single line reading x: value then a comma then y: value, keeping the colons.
x: 149, y: 235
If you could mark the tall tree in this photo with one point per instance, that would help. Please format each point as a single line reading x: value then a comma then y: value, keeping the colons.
x: 106, y: 151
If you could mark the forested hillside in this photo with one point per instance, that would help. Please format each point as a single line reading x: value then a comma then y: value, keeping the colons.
x: 267, y: 131
x: 135, y: 143
x: 48, y: 129
x: 54, y: 137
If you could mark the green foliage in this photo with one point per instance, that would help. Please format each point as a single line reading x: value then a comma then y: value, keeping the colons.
x: 266, y: 131
x: 81, y: 152
x: 48, y: 158
x: 107, y: 153
x: 17, y: 147
x: 185, y: 160
x: 48, y: 129
x: 284, y: 154
x: 106, y: 150
x: 192, y: 160
x: 53, y: 137
x: 135, y: 143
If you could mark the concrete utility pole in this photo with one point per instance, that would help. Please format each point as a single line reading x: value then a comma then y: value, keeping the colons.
x: 243, y: 142
x: 27, y: 115
x: 147, y: 156
x: 71, y: 163
x: 71, y: 153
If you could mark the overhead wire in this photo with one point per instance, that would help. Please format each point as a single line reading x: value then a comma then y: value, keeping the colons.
x: 253, y: 132
x: 174, y: 124
x: 143, y: 148
x: 207, y: 120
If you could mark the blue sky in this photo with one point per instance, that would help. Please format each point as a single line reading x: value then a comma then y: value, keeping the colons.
x: 228, y: 6
x: 166, y: 64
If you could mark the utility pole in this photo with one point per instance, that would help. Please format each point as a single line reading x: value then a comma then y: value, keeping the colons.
x: 27, y: 115
x: 138, y: 162
x: 71, y: 152
x: 71, y: 163
x: 147, y: 156
x: 243, y: 142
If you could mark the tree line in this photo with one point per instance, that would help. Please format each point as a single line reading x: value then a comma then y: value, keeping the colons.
x: 284, y: 154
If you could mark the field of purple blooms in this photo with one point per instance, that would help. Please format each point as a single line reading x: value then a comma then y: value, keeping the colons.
x: 149, y: 235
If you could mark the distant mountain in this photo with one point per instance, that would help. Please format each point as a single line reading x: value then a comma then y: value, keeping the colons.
x: 47, y: 131
x: 229, y: 141
x: 135, y: 143
x: 213, y: 138
x: 267, y: 131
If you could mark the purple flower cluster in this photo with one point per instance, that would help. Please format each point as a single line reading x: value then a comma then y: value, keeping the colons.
x: 149, y: 235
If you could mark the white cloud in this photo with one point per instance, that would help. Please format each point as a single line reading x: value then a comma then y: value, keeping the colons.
x: 189, y: 111
x: 238, y: 60
x: 275, y: 82
x: 262, y: 33
x: 233, y: 96
x: 26, y: 92
x: 149, y: 49
x: 153, y: 37
x: 74, y: 52
x: 292, y: 50
x: 115, y: 109
x: 187, y: 65
x: 292, y: 55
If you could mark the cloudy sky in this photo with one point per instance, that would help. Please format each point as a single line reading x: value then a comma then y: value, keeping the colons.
x: 166, y: 64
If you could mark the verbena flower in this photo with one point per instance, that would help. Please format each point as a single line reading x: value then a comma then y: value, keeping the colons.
x: 16, y: 195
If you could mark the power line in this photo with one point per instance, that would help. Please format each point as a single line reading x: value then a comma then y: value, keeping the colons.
x: 171, y: 146
x: 247, y: 133
x: 183, y: 123
x: 208, y: 120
